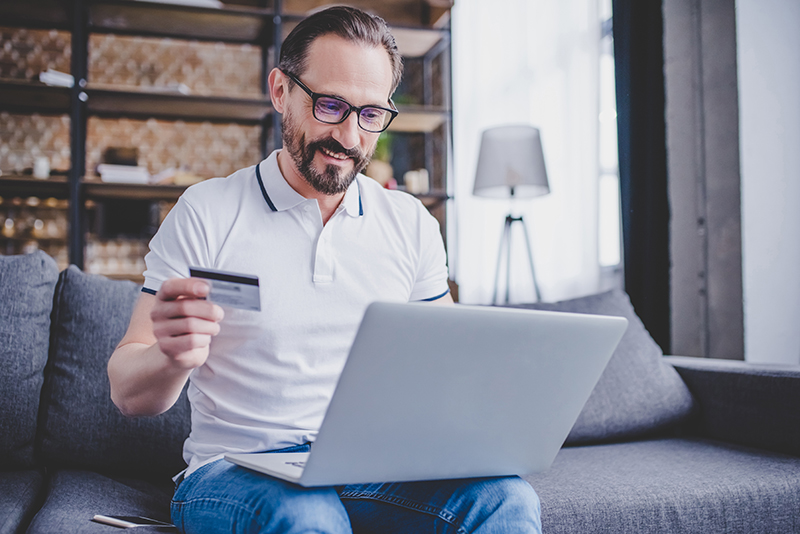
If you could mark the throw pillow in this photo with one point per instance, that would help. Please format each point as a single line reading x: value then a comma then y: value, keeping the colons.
x: 81, y: 427
x: 638, y: 393
x: 26, y: 299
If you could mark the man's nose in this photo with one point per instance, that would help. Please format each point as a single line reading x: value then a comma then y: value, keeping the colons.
x: 348, y: 132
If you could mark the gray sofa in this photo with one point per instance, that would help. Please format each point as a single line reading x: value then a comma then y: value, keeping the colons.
x: 664, y: 444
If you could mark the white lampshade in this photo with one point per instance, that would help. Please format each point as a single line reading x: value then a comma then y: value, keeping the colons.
x: 511, y: 163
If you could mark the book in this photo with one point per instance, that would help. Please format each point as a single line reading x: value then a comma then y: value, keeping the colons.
x: 123, y: 174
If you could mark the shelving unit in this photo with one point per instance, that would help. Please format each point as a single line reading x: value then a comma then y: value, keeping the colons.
x: 120, y: 103
x: 423, y: 128
x: 27, y: 97
x: 103, y: 190
x: 25, y: 186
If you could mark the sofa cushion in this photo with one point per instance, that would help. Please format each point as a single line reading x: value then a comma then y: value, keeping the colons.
x: 26, y: 294
x: 638, y: 393
x: 75, y: 497
x: 81, y: 427
x: 692, y: 486
x: 19, y: 499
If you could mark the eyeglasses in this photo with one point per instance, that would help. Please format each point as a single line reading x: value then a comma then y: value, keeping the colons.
x: 334, y: 110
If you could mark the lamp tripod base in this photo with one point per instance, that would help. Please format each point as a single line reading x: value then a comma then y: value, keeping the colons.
x: 505, y: 243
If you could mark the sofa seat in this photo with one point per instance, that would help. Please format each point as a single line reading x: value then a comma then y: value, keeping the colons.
x: 75, y: 496
x: 19, y: 498
x: 686, y: 485
x: 67, y: 453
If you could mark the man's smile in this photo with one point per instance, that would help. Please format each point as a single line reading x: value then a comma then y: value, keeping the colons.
x: 334, y: 155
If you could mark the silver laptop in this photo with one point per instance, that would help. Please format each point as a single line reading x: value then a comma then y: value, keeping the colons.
x: 436, y: 392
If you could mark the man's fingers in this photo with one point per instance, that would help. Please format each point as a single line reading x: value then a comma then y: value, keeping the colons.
x: 176, y: 288
x: 175, y: 309
x: 183, y: 322
x: 185, y: 326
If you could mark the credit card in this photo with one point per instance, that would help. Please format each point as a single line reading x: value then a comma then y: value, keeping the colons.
x: 230, y: 289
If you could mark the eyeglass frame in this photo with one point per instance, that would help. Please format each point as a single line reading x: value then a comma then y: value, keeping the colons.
x: 350, y: 107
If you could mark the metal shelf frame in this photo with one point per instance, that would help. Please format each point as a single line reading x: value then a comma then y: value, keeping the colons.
x: 262, y: 23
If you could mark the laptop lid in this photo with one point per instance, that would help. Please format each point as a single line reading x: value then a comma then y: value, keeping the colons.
x: 434, y: 392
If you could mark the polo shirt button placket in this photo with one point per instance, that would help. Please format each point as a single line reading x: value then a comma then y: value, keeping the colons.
x: 323, y: 262
x: 312, y: 219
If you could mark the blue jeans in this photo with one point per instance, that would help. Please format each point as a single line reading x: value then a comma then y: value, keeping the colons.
x: 223, y: 497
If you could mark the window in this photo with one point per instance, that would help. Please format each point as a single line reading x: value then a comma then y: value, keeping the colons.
x: 609, y: 224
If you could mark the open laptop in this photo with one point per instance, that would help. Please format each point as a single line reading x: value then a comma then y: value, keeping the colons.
x: 437, y: 392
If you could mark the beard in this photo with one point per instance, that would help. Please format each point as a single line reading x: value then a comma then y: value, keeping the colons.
x: 332, y: 180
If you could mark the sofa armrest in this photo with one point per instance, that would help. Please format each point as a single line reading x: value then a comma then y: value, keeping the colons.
x: 748, y: 404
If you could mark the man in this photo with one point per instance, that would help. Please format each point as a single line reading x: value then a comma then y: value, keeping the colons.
x: 325, y: 242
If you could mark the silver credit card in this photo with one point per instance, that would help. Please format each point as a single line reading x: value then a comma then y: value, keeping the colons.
x: 230, y: 289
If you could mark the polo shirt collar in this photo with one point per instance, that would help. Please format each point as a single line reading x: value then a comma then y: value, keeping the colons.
x: 277, y: 192
x: 280, y: 196
x: 352, y: 199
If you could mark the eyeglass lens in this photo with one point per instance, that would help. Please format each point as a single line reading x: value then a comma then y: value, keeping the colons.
x: 333, y: 111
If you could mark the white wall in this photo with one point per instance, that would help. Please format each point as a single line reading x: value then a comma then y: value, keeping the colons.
x: 528, y: 62
x: 769, y: 105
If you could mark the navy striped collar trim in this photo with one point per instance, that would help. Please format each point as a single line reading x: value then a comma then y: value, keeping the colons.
x: 272, y: 204
x: 349, y: 203
x: 264, y: 189
x: 360, y: 204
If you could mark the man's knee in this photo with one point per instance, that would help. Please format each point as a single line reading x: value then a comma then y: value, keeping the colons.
x: 232, y: 499
x: 519, y: 493
x: 510, y: 492
x: 507, y: 504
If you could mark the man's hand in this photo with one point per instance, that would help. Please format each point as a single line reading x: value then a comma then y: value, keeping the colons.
x: 184, y: 323
x: 169, y: 336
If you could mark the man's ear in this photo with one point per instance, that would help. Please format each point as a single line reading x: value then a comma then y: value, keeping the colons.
x: 278, y: 89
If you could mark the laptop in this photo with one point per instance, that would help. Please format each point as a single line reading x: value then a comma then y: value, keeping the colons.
x: 439, y: 392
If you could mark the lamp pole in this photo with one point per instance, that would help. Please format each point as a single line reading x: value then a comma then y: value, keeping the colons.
x: 505, y: 242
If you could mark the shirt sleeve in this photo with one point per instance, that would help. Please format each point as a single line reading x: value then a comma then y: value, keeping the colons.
x: 181, y: 242
x: 431, y: 281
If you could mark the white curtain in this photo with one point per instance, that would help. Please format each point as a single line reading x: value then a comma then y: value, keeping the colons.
x: 533, y: 62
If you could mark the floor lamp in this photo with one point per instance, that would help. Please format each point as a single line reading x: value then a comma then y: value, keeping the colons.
x: 511, y: 165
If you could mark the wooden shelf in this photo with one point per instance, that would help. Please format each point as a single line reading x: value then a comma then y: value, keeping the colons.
x: 421, y: 13
x: 41, y: 14
x: 233, y: 24
x: 97, y: 190
x: 411, y: 42
x: 44, y: 240
x: 433, y: 198
x: 27, y: 186
x: 33, y: 97
x: 416, y: 42
x: 418, y: 119
x: 118, y: 103
x: 21, y: 96
x: 115, y: 102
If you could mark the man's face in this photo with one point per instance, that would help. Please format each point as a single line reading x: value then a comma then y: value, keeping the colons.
x: 328, y: 156
x: 332, y: 178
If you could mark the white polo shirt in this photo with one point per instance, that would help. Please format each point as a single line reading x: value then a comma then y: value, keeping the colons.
x: 270, y: 375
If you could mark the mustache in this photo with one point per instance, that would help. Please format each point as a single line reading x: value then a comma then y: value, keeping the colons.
x: 335, y: 146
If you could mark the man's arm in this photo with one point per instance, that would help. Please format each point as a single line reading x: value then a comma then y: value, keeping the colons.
x: 168, y: 336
